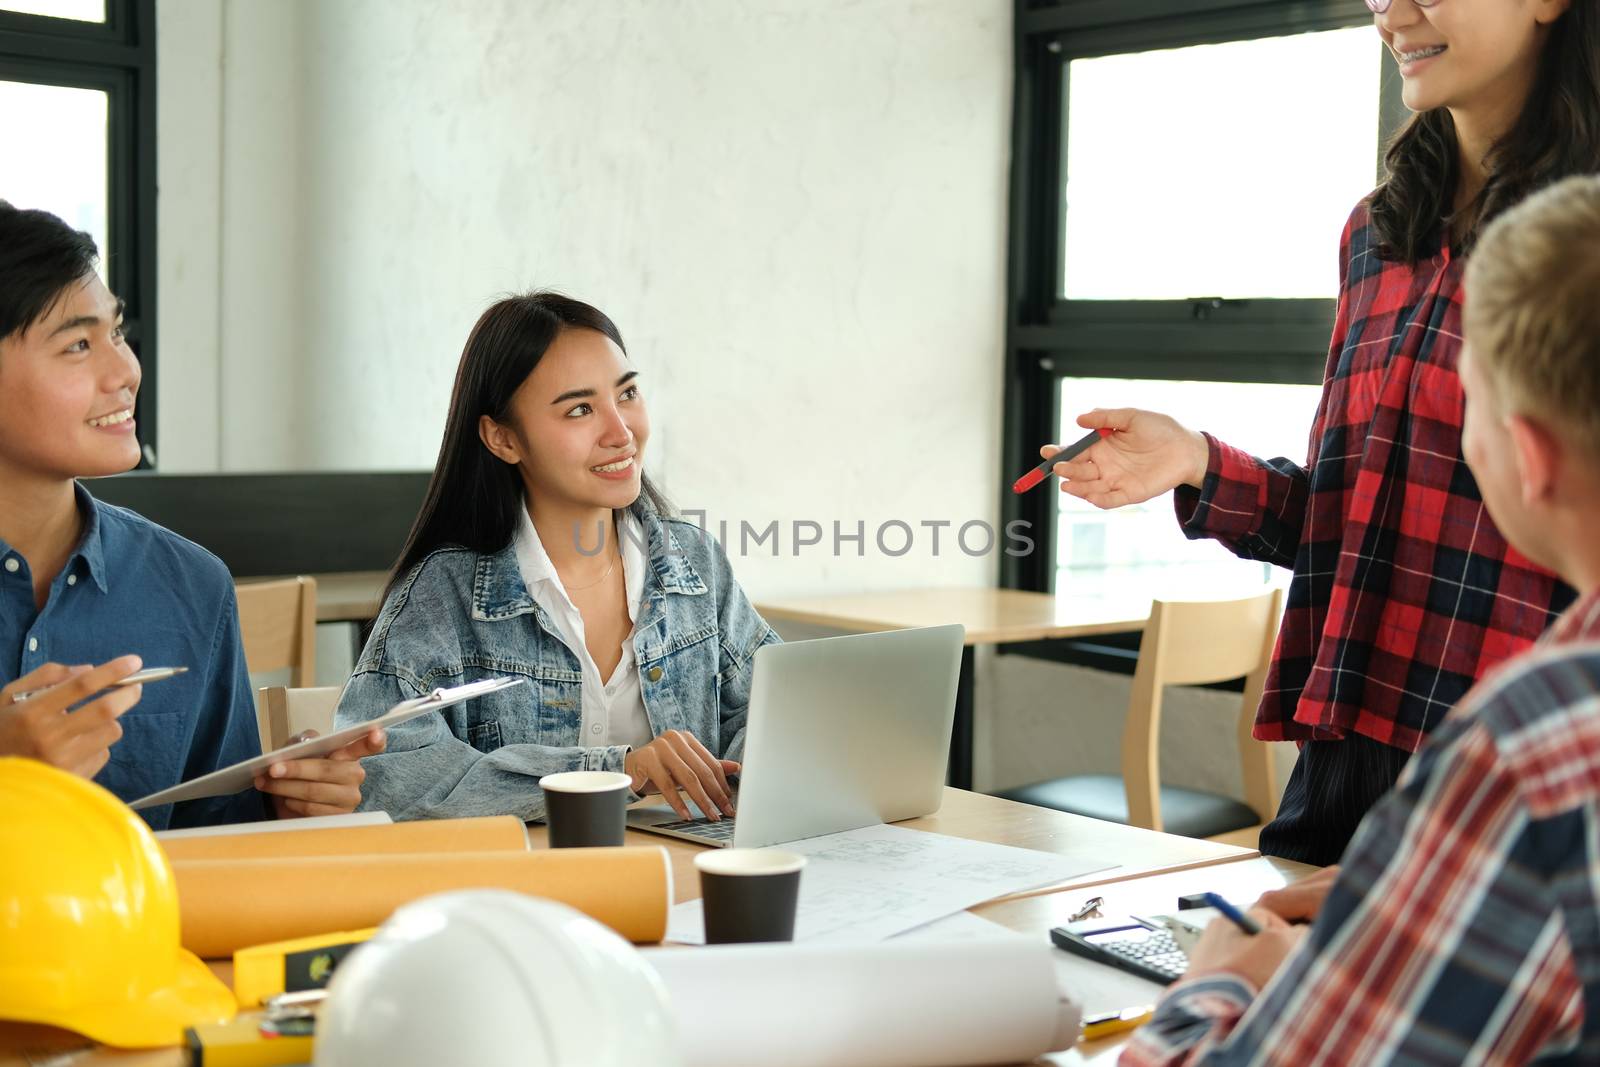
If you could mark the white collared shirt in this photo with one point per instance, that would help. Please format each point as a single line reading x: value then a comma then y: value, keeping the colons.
x: 613, y: 709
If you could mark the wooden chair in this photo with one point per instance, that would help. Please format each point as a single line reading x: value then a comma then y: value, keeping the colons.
x: 1184, y: 643
x: 282, y: 712
x: 278, y: 620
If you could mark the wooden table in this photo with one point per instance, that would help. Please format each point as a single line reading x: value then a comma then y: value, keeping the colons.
x: 1153, y: 870
x: 342, y: 596
x: 350, y: 596
x: 1241, y: 881
x: 991, y: 617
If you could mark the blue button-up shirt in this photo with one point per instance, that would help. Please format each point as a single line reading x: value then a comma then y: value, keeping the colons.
x: 134, y: 587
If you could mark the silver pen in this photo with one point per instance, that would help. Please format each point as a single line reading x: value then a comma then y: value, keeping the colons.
x: 149, y: 674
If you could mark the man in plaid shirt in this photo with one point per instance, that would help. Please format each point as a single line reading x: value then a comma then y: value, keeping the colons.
x: 1465, y: 925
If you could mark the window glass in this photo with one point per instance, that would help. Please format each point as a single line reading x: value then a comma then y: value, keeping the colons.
x: 1223, y: 170
x: 81, y: 10
x: 56, y: 154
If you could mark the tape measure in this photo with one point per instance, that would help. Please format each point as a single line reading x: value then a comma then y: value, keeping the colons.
x: 264, y: 971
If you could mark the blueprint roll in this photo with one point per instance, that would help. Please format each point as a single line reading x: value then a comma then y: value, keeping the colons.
x: 896, y: 1004
x: 494, y: 833
x: 226, y: 905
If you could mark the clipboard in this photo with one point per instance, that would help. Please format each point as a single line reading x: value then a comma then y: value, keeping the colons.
x: 242, y: 775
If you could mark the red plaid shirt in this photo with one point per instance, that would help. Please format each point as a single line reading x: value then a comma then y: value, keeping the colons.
x: 1403, y: 592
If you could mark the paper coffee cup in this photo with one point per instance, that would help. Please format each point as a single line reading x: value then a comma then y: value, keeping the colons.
x: 749, y: 894
x: 586, y: 809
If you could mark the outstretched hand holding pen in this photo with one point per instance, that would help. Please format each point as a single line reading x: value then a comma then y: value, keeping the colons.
x: 1140, y: 455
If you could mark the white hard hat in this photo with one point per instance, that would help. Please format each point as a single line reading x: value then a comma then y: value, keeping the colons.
x: 490, y: 978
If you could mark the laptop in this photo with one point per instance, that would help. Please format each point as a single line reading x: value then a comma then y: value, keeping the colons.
x: 843, y: 732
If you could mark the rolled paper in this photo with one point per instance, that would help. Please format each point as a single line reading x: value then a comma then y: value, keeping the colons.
x: 893, y: 1004
x: 226, y: 905
x: 488, y: 834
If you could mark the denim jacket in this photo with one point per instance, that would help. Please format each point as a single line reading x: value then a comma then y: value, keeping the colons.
x: 461, y: 616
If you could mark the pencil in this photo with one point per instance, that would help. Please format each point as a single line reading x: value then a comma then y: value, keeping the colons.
x: 1098, y: 1026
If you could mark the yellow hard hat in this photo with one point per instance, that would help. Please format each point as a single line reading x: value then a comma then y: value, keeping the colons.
x: 89, y: 917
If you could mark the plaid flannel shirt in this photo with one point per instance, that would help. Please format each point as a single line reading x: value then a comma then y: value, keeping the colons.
x: 1465, y: 925
x: 1404, y: 593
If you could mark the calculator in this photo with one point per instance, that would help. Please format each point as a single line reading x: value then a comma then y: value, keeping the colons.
x: 1138, y: 946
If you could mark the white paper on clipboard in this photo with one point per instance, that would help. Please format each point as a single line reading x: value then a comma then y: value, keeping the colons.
x: 242, y: 776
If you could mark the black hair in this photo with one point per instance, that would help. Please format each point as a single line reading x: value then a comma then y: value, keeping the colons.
x: 474, y: 496
x: 1557, y: 135
x: 41, y: 257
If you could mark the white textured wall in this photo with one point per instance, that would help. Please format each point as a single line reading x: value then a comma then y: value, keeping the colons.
x: 189, y: 231
x: 263, y: 256
x: 794, y: 209
x: 229, y: 252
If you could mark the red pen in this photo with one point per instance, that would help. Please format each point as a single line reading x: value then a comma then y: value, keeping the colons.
x: 1072, y: 451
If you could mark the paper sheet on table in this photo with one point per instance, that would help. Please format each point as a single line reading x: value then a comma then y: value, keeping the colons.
x: 278, y: 826
x: 1094, y: 987
x: 495, y: 833
x: 226, y: 905
x: 962, y: 926
x: 901, y: 1004
x: 1100, y: 988
x: 875, y: 882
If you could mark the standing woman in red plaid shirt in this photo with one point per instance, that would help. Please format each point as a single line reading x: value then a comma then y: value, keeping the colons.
x: 1403, y: 591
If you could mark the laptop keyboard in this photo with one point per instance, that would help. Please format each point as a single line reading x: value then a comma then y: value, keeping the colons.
x: 705, y: 828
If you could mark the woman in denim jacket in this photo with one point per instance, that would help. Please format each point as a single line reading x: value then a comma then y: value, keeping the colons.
x: 543, y: 552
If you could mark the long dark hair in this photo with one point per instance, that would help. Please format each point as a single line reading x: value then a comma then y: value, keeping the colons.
x: 474, y: 496
x: 1557, y: 135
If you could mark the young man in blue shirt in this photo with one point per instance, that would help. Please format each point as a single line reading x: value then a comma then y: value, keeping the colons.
x: 81, y: 580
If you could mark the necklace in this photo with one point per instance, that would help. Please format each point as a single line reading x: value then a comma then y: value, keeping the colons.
x: 597, y: 581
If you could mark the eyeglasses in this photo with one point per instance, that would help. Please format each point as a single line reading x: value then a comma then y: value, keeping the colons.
x: 1380, y: 6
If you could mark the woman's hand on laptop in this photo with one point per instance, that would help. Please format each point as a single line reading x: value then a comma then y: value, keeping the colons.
x: 678, y: 761
x: 331, y: 786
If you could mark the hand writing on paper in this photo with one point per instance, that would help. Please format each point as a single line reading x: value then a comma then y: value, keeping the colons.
x: 1146, y: 455
x: 330, y: 786
x: 677, y: 760
x: 78, y: 740
x: 1302, y: 901
x: 1254, y: 957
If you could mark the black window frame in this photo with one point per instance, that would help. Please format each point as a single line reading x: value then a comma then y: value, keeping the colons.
x: 117, y: 56
x: 1203, y: 339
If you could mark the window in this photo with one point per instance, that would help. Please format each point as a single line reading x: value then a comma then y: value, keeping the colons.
x: 1142, y: 174
x: 64, y: 170
x: 1181, y: 173
x: 77, y: 10
x: 77, y: 118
